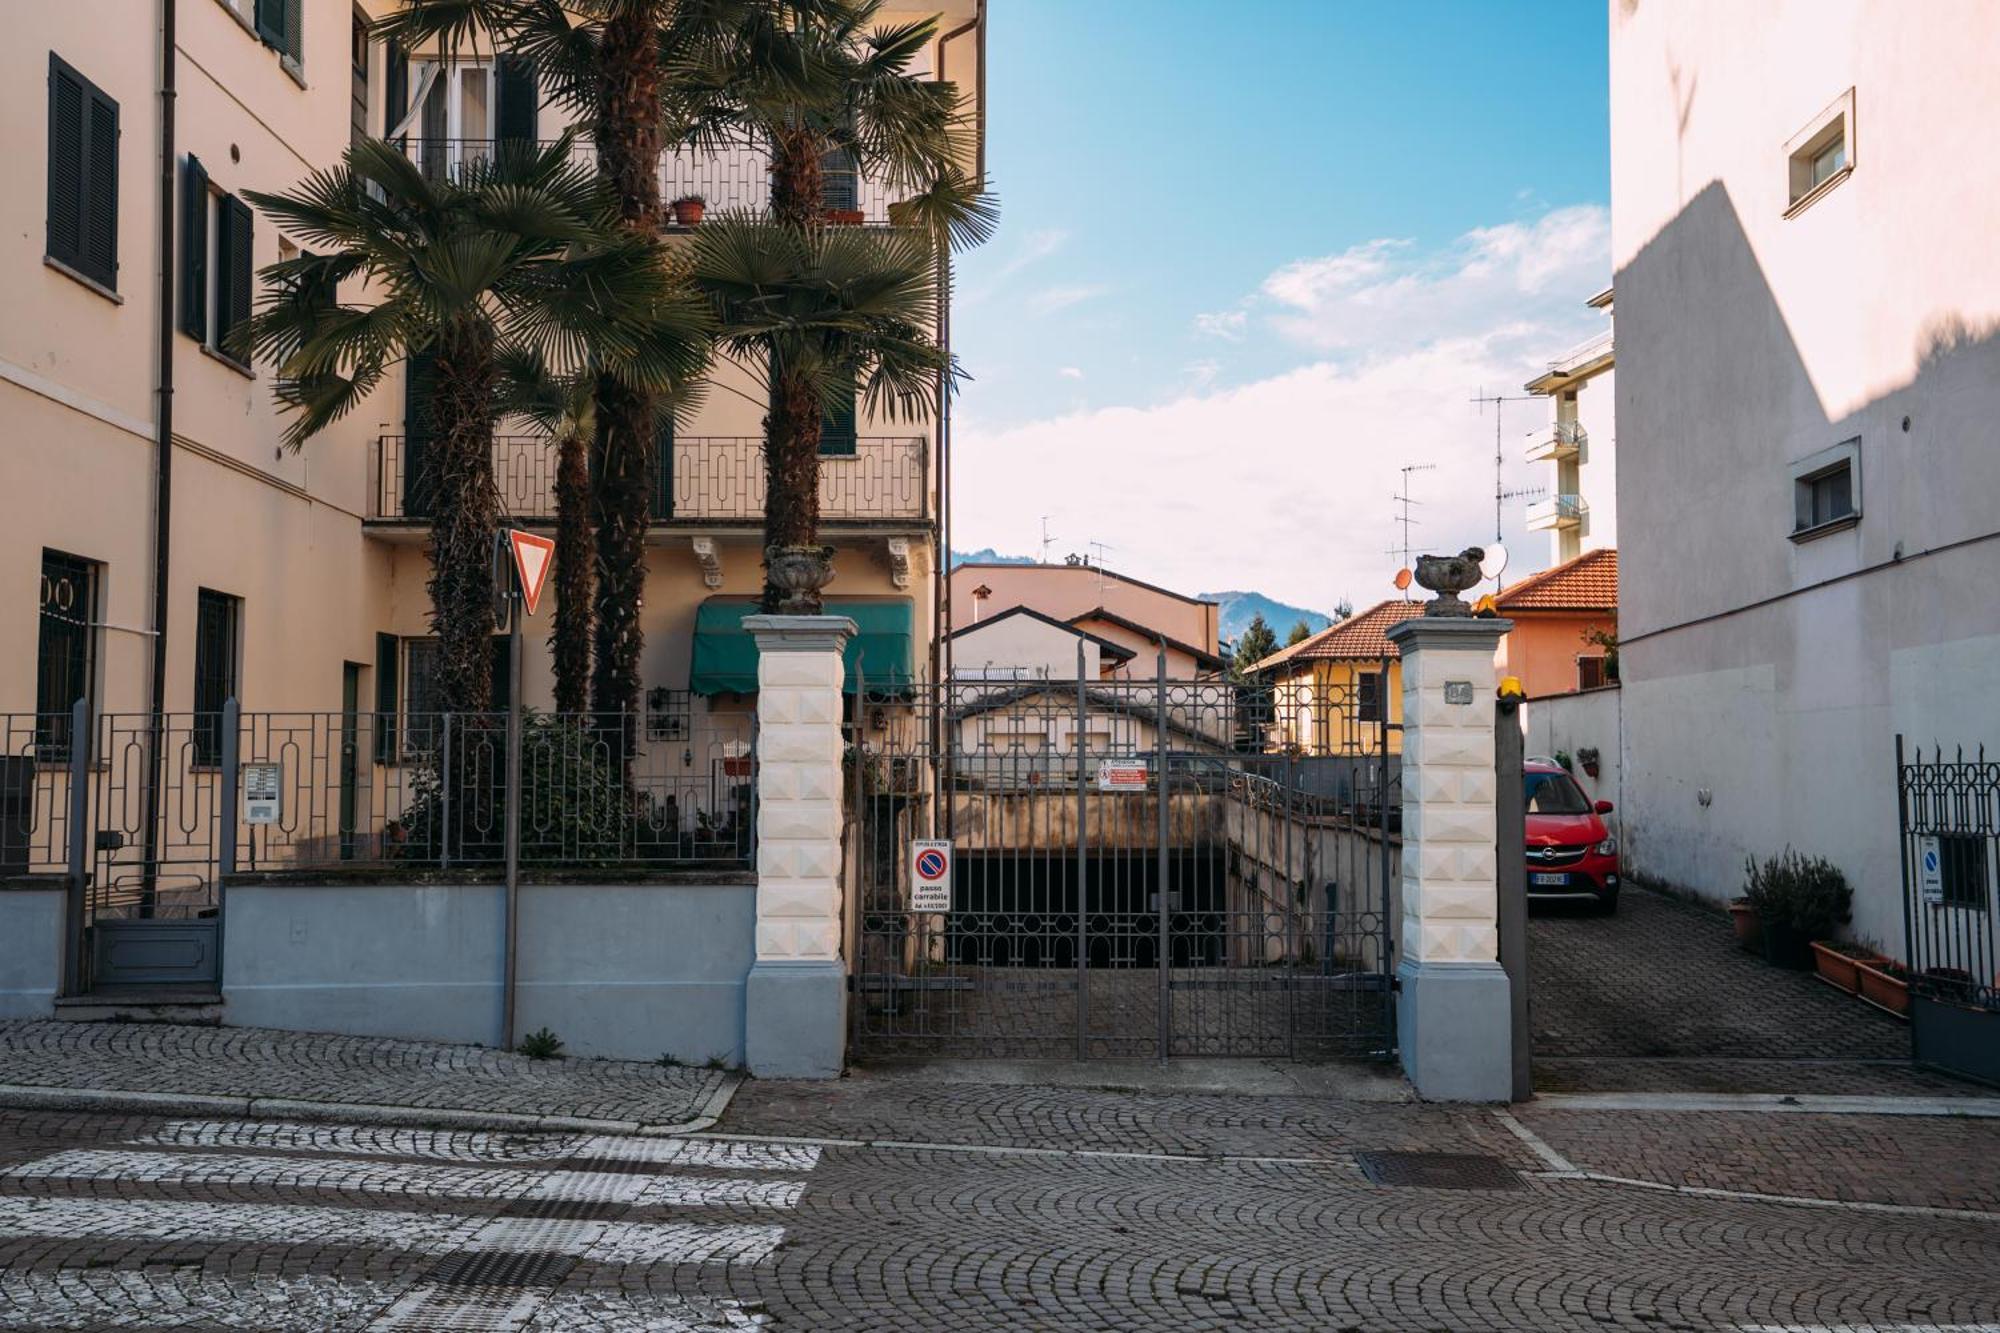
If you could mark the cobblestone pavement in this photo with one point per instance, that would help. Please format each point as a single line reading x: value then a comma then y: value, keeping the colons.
x: 307, y: 1067
x: 1660, y: 998
x: 126, y: 1222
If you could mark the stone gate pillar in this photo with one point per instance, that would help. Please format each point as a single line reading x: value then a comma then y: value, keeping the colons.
x: 795, y: 1019
x: 1453, y: 1018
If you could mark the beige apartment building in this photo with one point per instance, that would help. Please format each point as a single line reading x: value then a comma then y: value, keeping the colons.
x: 296, y: 581
x: 1579, y: 510
x: 1803, y: 223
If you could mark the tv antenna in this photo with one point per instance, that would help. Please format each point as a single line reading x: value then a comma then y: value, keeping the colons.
x: 1047, y: 537
x: 1403, y: 502
x: 1500, y: 492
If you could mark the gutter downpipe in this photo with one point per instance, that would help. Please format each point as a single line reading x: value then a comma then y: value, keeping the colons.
x: 163, y: 477
x: 941, y: 615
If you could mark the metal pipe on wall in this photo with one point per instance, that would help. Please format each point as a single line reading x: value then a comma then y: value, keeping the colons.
x: 163, y: 476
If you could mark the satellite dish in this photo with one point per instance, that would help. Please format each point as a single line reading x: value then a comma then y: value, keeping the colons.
x: 1402, y: 580
x: 1495, y: 563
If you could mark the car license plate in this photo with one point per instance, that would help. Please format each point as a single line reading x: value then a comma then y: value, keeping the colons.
x: 1555, y: 880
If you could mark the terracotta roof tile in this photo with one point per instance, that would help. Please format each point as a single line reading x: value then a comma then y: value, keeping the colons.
x: 1361, y: 636
x: 1587, y: 583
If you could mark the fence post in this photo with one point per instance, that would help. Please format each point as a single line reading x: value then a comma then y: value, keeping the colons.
x: 1511, y: 866
x: 795, y: 999
x: 81, y: 729
x: 226, y: 809
x: 444, y: 797
x: 1453, y: 1023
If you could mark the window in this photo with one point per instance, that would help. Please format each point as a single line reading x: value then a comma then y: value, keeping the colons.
x: 279, y: 24
x: 217, y: 259
x: 423, y: 702
x: 216, y: 620
x: 65, y: 656
x: 1590, y: 672
x: 357, y: 117
x: 836, y: 427
x: 1368, y: 696
x: 1820, y: 155
x: 1554, y: 794
x: 1962, y: 866
x: 83, y: 177
x: 1826, y: 491
x: 667, y: 714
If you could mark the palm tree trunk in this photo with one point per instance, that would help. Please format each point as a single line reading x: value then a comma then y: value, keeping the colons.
x: 569, y: 637
x: 791, y: 457
x: 622, y: 476
x: 798, y: 185
x: 467, y: 516
x: 628, y: 149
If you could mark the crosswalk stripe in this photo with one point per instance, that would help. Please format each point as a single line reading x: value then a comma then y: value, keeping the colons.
x: 403, y: 1179
x: 479, y: 1146
x: 618, y: 1243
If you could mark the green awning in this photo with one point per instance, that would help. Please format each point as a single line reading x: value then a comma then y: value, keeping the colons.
x: 883, y: 647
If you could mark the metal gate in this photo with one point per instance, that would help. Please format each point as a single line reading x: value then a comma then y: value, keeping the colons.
x: 1140, y: 868
x: 1949, y: 820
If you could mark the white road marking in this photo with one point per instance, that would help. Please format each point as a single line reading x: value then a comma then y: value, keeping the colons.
x: 635, y: 1243
x: 432, y: 1309
x: 404, y: 1179
x: 1793, y: 1200
x: 96, y: 1298
x: 1556, y: 1161
x: 480, y: 1146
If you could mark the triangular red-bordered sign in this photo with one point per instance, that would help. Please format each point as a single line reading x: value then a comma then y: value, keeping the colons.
x: 533, y: 558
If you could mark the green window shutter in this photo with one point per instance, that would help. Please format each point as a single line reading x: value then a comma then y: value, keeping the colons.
x: 271, y: 23
x: 519, y: 96
x: 836, y: 426
x: 294, y: 44
x: 395, y: 87
x: 194, y: 249
x: 386, y: 690
x: 663, y: 469
x: 82, y: 175
x: 234, y: 271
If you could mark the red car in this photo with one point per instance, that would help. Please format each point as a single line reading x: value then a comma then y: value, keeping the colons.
x: 1571, y: 854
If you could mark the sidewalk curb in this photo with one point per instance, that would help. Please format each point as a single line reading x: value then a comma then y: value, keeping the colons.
x: 25, y: 1097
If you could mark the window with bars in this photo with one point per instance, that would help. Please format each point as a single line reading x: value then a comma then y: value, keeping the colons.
x: 423, y: 691
x: 65, y: 649
x: 1368, y: 696
x: 1962, y: 868
x: 669, y: 714
x: 217, y: 622
x: 1590, y: 672
x: 83, y: 176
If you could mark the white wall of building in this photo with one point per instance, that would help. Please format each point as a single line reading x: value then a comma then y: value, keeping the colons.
x: 1765, y: 679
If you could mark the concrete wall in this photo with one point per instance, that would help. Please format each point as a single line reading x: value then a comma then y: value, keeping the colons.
x: 31, y: 943
x: 1766, y: 679
x: 1573, y: 722
x: 629, y: 971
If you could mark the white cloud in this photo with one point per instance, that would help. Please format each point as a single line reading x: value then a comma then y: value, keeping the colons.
x: 1033, y: 249
x: 1070, y: 372
x: 1225, y: 324
x: 1051, y: 299
x: 1283, y: 484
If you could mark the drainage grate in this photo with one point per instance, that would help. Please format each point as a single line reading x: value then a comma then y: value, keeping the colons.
x: 1438, y: 1170
x: 501, y: 1268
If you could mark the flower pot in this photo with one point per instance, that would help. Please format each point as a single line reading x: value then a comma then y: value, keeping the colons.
x: 1786, y: 946
x: 1837, y: 968
x: 688, y: 212
x: 799, y: 572
x: 1743, y: 919
x: 1591, y: 766
x: 846, y: 217
x: 1884, y: 990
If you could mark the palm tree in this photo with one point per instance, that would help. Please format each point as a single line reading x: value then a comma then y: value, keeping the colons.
x: 822, y: 310
x: 520, y: 256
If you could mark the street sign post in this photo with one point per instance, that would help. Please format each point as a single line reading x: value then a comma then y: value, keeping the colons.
x: 517, y: 585
x: 1930, y: 869
x: 534, y: 557
x: 930, y: 875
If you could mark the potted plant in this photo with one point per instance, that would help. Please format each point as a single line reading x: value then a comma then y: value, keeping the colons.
x: 1564, y: 761
x: 1839, y: 963
x: 1886, y: 985
x: 688, y: 209
x: 1743, y: 919
x: 1587, y: 756
x: 1798, y: 899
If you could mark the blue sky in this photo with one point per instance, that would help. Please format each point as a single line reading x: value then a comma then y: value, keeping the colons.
x: 1269, y: 225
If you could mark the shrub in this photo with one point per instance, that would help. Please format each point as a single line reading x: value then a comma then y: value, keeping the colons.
x: 541, y: 1044
x: 574, y: 808
x: 1806, y: 894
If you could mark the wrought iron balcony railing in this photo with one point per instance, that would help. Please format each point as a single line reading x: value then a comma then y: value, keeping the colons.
x: 708, y: 479
x: 733, y: 178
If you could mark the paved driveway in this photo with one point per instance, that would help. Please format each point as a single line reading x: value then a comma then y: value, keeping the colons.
x: 1659, y: 997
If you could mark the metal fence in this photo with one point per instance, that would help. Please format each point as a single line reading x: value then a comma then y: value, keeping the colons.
x: 707, y: 479
x: 411, y: 791
x: 1950, y: 818
x: 731, y: 178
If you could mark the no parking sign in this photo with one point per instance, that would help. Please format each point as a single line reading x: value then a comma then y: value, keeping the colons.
x: 930, y: 875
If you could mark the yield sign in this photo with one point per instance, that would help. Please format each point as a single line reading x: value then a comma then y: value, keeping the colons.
x: 532, y: 558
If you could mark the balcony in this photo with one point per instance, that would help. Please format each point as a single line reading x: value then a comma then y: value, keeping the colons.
x: 1559, y: 442
x: 1557, y: 513
x: 712, y: 481
x: 1586, y: 358
x: 734, y: 178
